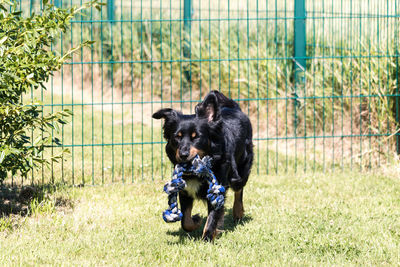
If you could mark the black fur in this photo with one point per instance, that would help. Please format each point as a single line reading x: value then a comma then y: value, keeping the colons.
x: 221, y: 130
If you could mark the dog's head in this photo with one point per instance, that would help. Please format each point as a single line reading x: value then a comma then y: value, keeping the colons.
x: 186, y: 135
x: 196, y: 134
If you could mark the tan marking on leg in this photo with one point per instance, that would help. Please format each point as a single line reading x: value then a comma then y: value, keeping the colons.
x: 188, y: 224
x: 238, y: 210
x: 205, y: 229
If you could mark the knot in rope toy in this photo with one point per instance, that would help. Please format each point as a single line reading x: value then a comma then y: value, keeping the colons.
x: 201, y: 168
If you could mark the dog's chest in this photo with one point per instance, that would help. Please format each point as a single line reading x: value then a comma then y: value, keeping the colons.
x: 193, y: 187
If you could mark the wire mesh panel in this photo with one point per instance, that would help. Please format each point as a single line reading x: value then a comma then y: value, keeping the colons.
x: 350, y: 107
x: 341, y: 113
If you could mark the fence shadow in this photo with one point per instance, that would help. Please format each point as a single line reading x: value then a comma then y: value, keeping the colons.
x: 229, y: 226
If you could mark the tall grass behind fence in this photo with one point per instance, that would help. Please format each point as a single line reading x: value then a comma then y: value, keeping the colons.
x: 344, y: 114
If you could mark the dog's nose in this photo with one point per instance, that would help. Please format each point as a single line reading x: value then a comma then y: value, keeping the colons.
x: 184, y: 155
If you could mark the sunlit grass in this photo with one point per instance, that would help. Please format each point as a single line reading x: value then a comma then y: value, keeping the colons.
x: 339, y: 219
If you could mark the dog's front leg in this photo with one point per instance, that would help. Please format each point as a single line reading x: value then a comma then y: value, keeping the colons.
x: 189, y: 222
x: 214, y: 223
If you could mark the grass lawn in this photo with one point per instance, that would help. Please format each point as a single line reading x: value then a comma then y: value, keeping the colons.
x: 312, y: 219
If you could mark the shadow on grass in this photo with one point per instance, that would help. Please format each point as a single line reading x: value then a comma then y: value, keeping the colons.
x: 17, y: 200
x: 229, y: 226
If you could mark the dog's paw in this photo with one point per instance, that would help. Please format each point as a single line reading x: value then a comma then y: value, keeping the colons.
x: 238, y: 213
x: 237, y: 220
x: 191, y: 224
x: 209, y: 236
x: 196, y: 219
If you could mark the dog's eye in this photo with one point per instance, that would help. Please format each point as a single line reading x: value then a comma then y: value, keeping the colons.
x: 179, y: 135
x: 194, y: 135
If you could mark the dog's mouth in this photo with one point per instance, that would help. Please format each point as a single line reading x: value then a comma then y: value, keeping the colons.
x: 192, y: 153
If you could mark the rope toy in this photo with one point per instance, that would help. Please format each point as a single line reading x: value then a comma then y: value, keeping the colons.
x: 201, y: 168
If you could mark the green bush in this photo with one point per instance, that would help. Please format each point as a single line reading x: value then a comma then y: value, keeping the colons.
x: 26, y: 63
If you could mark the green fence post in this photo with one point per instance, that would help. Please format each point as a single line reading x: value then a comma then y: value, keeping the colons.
x: 187, y: 25
x: 57, y: 3
x: 109, y: 46
x: 110, y: 10
x: 299, y: 61
x: 32, y: 6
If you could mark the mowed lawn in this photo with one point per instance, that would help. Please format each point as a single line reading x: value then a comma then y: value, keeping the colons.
x: 307, y: 219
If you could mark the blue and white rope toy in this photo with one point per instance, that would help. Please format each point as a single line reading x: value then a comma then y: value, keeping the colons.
x: 201, y: 168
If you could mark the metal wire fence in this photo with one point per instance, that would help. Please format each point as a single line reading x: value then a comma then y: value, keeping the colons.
x: 319, y: 80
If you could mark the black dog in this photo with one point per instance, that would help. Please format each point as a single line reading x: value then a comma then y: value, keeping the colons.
x: 218, y: 129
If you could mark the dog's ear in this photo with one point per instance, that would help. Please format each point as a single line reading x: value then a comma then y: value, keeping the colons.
x: 171, y: 118
x: 209, y: 108
x: 165, y: 113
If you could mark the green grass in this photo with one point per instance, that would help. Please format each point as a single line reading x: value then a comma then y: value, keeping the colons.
x: 334, y: 219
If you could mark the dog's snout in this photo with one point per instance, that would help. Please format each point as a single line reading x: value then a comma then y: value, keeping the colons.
x: 184, y: 154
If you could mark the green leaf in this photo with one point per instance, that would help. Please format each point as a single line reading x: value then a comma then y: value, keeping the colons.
x: 26, y: 63
x: 62, y: 121
x: 3, y: 8
x: 3, y: 154
x: 2, y: 40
